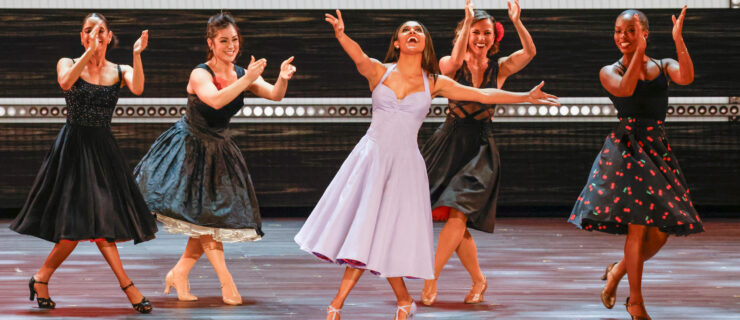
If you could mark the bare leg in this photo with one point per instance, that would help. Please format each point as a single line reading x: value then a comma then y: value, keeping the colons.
x: 654, y: 242
x: 351, y: 275
x: 468, y: 254
x: 178, y: 276
x: 633, y: 259
x: 110, y: 253
x: 58, y: 254
x: 449, y: 239
x: 214, y: 250
x: 402, y: 295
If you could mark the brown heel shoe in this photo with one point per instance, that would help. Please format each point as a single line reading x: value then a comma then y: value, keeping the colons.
x: 429, y: 298
x: 476, y: 296
x: 627, y: 305
x: 608, y: 299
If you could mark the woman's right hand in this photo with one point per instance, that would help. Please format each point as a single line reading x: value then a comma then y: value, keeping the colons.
x: 641, y: 39
x: 537, y: 96
x: 255, y: 68
x: 469, y: 12
x: 92, y: 37
x: 336, y: 22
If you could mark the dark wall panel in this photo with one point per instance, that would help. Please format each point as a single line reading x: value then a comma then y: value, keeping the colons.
x: 572, y: 46
x: 544, y: 164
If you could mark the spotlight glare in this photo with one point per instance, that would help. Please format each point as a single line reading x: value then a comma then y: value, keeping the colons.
x: 11, y: 111
x: 542, y: 111
x: 269, y: 111
x: 595, y: 110
x: 247, y: 111
x: 311, y: 111
x: 289, y: 111
x: 2, y: 111
x: 532, y: 110
x: 300, y: 111
x: 574, y: 110
x: 553, y: 110
x: 257, y: 111
x: 564, y: 110
x: 585, y: 110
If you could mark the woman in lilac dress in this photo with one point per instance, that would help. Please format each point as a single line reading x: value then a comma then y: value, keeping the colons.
x: 376, y: 212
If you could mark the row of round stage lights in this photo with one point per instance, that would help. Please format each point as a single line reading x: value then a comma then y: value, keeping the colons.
x: 312, y: 111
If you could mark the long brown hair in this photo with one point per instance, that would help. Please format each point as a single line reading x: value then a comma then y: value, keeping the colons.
x: 218, y: 22
x: 114, y: 41
x: 428, y: 57
x: 479, y: 15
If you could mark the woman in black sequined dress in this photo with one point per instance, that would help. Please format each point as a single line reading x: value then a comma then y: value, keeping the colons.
x: 635, y: 185
x: 84, y: 189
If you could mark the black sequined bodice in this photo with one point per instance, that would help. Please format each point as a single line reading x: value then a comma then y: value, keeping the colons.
x: 91, y: 105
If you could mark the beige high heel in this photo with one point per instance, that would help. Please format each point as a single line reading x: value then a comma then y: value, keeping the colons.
x: 608, y: 299
x: 476, y: 296
x: 230, y: 295
x: 429, y: 299
x: 183, y: 294
x: 627, y: 305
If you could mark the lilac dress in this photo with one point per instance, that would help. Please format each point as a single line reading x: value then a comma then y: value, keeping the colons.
x: 376, y: 212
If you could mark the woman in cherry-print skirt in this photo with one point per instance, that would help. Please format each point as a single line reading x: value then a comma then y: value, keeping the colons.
x: 635, y: 185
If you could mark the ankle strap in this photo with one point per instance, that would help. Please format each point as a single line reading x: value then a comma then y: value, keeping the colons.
x: 403, y: 308
x: 128, y: 286
x: 39, y: 282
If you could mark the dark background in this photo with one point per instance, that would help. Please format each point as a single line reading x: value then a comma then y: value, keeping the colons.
x: 545, y: 164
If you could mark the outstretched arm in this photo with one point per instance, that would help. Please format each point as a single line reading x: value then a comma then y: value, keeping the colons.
x: 681, y: 72
x: 201, y: 82
x: 446, y: 87
x: 69, y: 71
x: 134, y: 77
x: 623, y: 84
x: 275, y: 92
x: 369, y: 68
x: 448, y: 65
x: 519, y: 59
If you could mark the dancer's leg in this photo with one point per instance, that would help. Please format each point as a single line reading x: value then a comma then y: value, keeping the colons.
x: 351, y: 275
x: 58, y: 254
x: 633, y: 260
x: 214, y: 251
x: 449, y: 239
x: 178, y: 276
x: 402, y: 296
x: 110, y: 253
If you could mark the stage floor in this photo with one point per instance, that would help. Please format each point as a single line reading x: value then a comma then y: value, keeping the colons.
x: 537, y: 268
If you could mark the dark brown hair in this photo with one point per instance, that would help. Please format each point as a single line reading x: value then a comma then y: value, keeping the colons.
x: 218, y: 22
x: 114, y: 41
x: 479, y: 15
x: 641, y: 17
x: 428, y: 57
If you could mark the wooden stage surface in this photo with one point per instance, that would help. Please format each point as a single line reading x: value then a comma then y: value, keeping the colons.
x: 537, y: 268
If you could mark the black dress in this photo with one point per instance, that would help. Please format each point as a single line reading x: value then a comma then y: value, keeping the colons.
x: 195, y: 178
x: 84, y: 189
x: 462, y: 159
x: 636, y: 179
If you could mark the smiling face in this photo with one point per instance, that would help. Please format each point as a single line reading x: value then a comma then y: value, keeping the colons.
x: 481, y: 37
x: 225, y: 44
x: 103, y: 37
x: 625, y: 36
x: 411, y: 38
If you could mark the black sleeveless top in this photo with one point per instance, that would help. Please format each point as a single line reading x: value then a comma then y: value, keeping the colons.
x: 464, y: 77
x: 649, y: 100
x: 91, y: 105
x: 216, y: 118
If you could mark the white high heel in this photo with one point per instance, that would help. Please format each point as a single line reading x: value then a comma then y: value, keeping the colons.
x: 333, y: 310
x: 409, y: 310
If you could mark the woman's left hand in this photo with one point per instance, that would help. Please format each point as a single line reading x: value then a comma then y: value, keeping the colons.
x: 286, y: 69
x: 678, y: 25
x: 141, y: 44
x: 515, y: 11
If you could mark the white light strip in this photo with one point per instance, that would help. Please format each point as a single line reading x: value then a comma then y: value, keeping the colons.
x: 355, y: 4
x: 329, y: 101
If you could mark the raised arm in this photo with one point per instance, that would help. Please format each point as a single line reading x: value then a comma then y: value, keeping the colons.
x: 519, y: 59
x: 369, y: 68
x: 681, y: 71
x: 275, y: 92
x: 448, y: 65
x: 69, y: 71
x: 614, y: 79
x: 201, y: 82
x: 446, y: 87
x: 134, y: 77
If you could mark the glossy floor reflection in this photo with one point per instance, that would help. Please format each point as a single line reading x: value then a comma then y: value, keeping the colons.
x: 537, y: 268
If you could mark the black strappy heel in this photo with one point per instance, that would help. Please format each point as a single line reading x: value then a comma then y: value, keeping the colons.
x: 44, y: 303
x: 144, y: 306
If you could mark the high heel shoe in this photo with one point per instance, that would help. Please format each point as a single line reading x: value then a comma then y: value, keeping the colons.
x: 608, y: 299
x: 409, y: 310
x: 183, y: 294
x: 234, y: 298
x: 627, y: 305
x: 44, y: 303
x: 476, y: 296
x: 429, y: 299
x: 144, y: 306
x: 334, y: 312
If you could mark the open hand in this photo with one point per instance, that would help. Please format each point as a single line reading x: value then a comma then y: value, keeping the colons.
x: 140, y: 45
x: 286, y: 69
x: 678, y: 24
x: 537, y: 96
x: 336, y: 22
x: 515, y: 11
x: 255, y: 68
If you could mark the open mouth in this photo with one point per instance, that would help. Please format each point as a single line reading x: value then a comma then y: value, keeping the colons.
x: 413, y: 39
x: 624, y: 44
x: 480, y: 45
